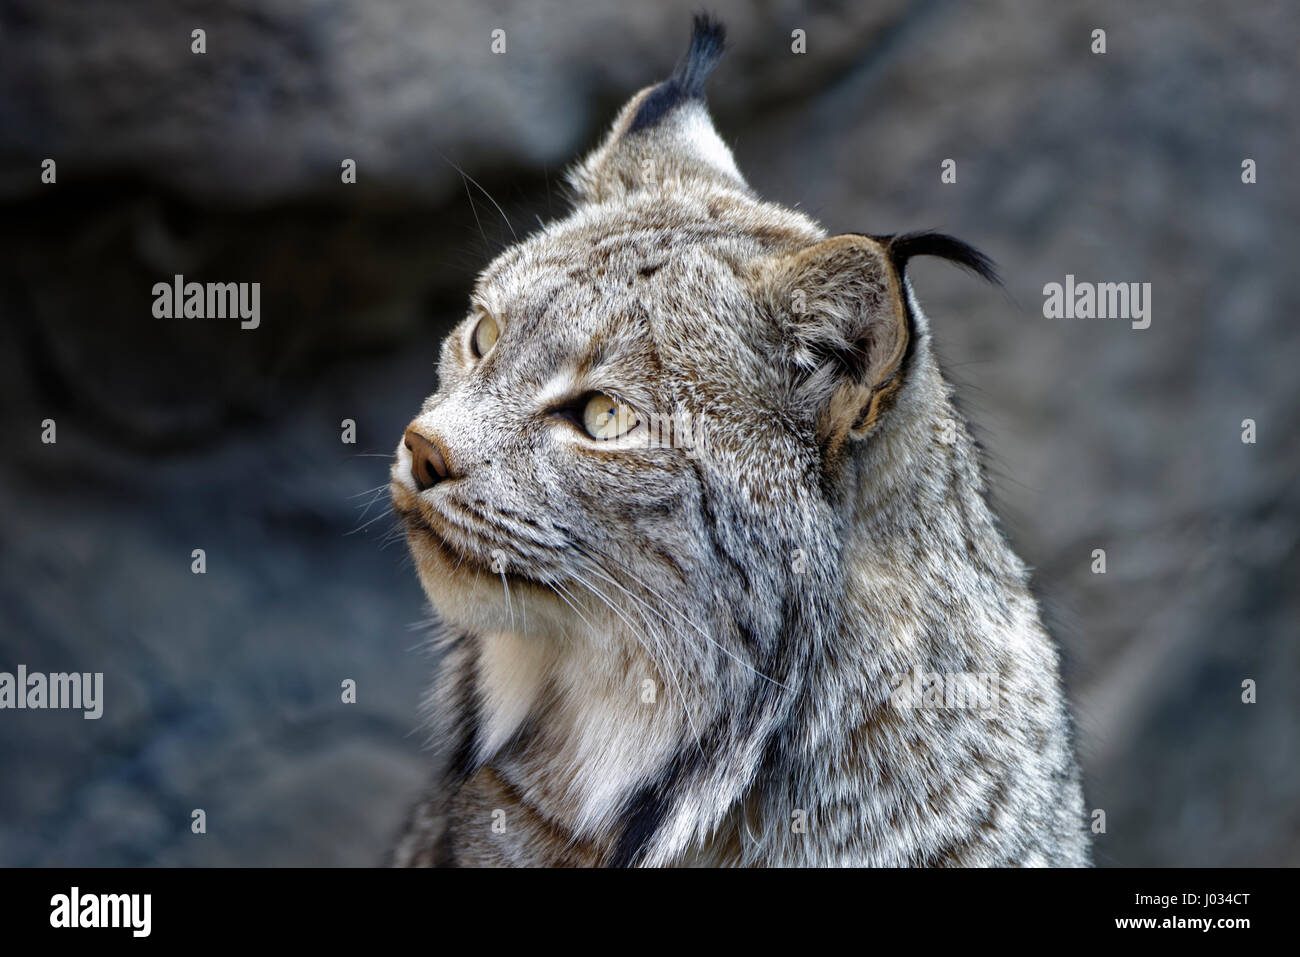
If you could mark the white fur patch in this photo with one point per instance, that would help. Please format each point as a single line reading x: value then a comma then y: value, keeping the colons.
x: 706, y: 145
x: 512, y: 671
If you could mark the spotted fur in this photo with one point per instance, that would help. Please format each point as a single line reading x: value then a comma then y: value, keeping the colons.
x: 664, y: 655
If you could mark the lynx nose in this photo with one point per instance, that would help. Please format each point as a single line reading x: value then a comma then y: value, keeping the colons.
x: 428, y: 464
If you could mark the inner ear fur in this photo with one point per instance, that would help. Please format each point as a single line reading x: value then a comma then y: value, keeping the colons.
x: 847, y: 330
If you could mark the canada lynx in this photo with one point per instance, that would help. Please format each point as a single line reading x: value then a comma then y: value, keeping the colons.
x: 789, y: 634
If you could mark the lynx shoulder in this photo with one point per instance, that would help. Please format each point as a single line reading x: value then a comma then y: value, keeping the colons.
x: 784, y: 630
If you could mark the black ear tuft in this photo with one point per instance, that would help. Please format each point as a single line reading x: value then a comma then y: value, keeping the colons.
x: 708, y: 40
x: 903, y: 248
x: 687, y: 82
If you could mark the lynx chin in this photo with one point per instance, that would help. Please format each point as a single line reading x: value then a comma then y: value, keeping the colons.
x: 664, y: 653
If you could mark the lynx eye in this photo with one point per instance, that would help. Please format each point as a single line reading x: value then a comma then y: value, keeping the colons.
x: 606, y: 418
x: 484, y: 336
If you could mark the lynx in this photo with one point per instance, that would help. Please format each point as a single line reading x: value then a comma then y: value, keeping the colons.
x: 721, y: 652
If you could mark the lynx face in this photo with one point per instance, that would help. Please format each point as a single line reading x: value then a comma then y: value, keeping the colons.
x: 604, y: 363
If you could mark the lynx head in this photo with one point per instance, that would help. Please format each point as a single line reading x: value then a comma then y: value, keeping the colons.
x: 656, y: 415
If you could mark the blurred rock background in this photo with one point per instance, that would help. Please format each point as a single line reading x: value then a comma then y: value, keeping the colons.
x: 223, y: 690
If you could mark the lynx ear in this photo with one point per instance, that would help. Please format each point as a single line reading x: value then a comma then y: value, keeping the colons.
x: 664, y: 133
x: 846, y: 328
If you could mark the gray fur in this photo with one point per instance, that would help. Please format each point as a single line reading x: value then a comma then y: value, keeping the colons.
x: 774, y: 585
